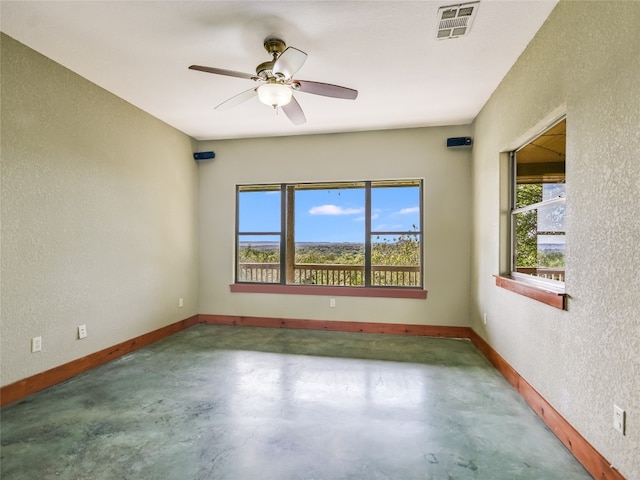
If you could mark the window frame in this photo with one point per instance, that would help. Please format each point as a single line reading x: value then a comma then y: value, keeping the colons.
x: 546, y: 290
x: 546, y: 283
x: 367, y: 289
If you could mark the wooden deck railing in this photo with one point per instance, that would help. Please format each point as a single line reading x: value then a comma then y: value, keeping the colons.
x: 331, y: 274
x: 259, y: 272
x: 550, y: 273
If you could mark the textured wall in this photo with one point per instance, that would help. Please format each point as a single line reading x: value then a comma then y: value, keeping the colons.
x: 419, y: 153
x: 99, y: 212
x: 584, y: 62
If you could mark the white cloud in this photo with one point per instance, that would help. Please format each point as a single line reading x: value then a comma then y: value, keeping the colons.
x: 406, y: 211
x: 334, y: 210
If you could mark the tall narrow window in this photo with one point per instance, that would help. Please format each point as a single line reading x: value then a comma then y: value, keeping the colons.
x: 259, y: 234
x: 395, y: 239
x: 538, y: 209
x: 356, y: 234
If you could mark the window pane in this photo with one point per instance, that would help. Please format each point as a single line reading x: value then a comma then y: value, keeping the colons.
x: 259, y: 258
x: 551, y: 240
x: 329, y: 215
x: 395, y: 260
x: 329, y: 235
x: 395, y: 208
x: 540, y: 242
x: 259, y: 210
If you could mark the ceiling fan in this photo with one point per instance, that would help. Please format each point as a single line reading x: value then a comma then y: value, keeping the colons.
x: 277, y: 83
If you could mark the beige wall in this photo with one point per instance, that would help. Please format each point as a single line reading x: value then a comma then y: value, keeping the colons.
x: 584, y: 62
x: 99, y: 211
x: 413, y: 153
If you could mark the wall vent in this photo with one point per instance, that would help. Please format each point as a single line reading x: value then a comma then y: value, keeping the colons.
x: 455, y: 20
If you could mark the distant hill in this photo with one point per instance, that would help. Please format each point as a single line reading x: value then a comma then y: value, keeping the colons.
x: 318, y: 245
x: 551, y: 247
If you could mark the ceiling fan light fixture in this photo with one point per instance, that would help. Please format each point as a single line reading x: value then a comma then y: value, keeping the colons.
x: 274, y: 94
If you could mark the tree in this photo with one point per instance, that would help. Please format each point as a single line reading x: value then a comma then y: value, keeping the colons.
x: 526, y: 228
x: 401, y: 250
x: 250, y: 254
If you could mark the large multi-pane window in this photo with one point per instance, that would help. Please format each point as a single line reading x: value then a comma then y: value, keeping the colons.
x: 366, y: 234
x: 538, y: 209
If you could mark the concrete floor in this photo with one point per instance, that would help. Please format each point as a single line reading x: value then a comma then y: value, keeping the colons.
x: 241, y: 403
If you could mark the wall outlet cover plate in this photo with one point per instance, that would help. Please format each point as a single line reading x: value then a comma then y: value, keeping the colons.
x: 618, y: 419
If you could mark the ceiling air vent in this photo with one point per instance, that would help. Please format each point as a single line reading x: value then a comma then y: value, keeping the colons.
x: 455, y: 20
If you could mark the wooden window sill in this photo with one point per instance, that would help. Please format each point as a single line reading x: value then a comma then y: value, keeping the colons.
x: 416, y: 293
x: 554, y: 299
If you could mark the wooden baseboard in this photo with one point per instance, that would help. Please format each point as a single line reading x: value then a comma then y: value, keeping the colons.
x: 20, y: 389
x: 585, y: 453
x: 337, y: 326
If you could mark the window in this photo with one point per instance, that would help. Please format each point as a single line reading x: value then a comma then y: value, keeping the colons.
x: 538, y: 210
x: 348, y: 234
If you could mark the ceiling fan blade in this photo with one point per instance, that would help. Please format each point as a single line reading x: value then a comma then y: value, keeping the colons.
x: 294, y: 112
x: 238, y: 99
x: 326, y: 89
x: 289, y: 62
x: 222, y: 71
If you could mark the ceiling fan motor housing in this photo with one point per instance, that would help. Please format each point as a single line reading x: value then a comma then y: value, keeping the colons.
x: 274, y: 46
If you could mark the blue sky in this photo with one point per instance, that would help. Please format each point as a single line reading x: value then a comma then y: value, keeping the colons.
x: 333, y: 215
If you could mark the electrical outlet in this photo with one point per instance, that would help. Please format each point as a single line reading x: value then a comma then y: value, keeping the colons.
x: 618, y: 419
x: 36, y: 344
x: 332, y: 302
x: 82, y: 332
x: 180, y: 302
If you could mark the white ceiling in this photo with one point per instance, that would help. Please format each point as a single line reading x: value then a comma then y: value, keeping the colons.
x: 140, y: 51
